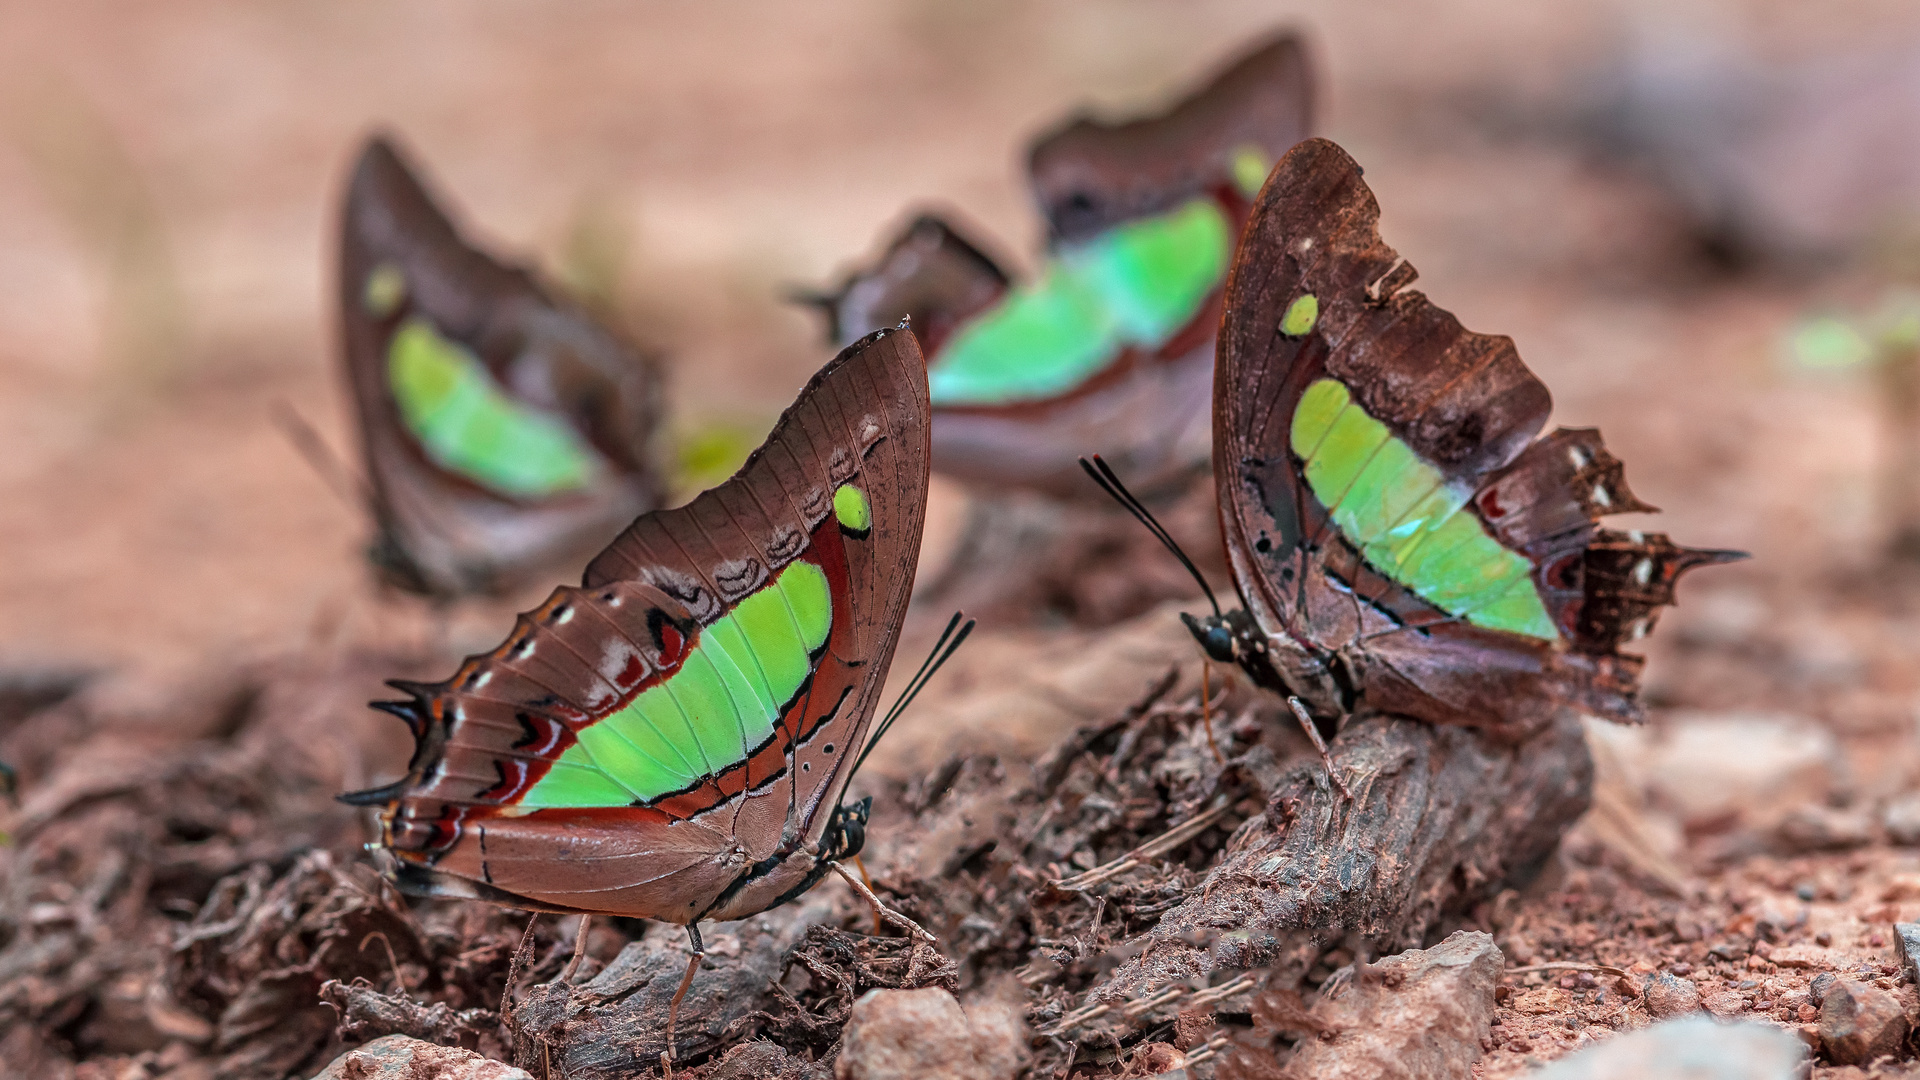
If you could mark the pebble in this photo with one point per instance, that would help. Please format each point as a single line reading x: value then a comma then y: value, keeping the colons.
x: 1710, y: 764
x: 1823, y: 828
x: 1901, y: 818
x: 910, y: 1034
x: 1667, y: 996
x: 397, y: 1057
x: 1817, y: 988
x: 1859, y: 1022
x: 1425, y: 1013
x: 1907, y: 936
x: 1694, y: 1048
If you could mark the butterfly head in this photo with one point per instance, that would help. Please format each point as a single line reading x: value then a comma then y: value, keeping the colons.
x: 1214, y: 636
x: 1228, y: 637
x: 847, y: 831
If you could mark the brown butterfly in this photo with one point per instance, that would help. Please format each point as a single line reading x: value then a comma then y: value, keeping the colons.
x: 1402, y: 537
x: 672, y: 739
x: 1110, y: 347
x: 505, y: 432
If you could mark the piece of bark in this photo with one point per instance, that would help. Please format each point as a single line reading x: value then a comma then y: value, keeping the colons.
x: 1441, y: 818
x: 615, y: 1026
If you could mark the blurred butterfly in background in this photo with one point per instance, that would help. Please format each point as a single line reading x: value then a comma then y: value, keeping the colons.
x: 1402, y: 540
x: 1110, y: 347
x: 506, y: 434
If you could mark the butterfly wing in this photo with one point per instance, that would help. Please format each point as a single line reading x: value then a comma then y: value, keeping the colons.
x: 504, y: 432
x: 931, y: 275
x: 669, y: 739
x: 1089, y: 176
x: 1110, y: 349
x: 1387, y: 508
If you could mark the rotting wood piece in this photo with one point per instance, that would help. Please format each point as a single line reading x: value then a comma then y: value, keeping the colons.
x: 615, y: 1024
x: 1442, y: 817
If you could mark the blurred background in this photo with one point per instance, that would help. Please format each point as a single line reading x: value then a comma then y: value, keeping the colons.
x: 1652, y: 198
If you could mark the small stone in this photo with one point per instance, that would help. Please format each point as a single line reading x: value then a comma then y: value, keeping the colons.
x: 1711, y: 765
x: 1823, y: 939
x: 1822, y: 828
x: 1817, y: 989
x: 1694, y: 1048
x: 1667, y: 996
x: 1907, y: 936
x: 908, y: 1034
x: 1682, y: 969
x: 1424, y: 1013
x: 1723, y: 1003
x: 1859, y: 1023
x: 1542, y: 1000
x: 1902, y: 820
x: 1800, y: 956
x: 398, y: 1057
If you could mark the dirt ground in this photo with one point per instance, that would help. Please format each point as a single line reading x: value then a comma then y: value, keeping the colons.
x: 167, y: 178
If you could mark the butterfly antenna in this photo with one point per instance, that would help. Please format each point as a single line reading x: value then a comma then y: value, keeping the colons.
x: 942, y: 651
x: 308, y: 443
x: 1103, y: 474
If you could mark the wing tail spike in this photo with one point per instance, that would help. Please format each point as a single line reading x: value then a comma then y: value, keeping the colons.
x: 379, y: 796
x: 410, y: 711
x: 418, y: 691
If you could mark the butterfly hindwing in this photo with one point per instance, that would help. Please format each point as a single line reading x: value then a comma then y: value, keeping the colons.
x: 1391, y: 517
x: 669, y: 739
x: 504, y: 432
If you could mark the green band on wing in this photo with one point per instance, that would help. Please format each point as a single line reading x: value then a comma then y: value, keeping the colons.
x: 1407, y: 521
x: 850, y: 507
x: 721, y: 704
x: 1136, y: 284
x: 468, y: 425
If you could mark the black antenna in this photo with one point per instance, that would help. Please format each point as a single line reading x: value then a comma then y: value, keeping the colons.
x: 943, y: 651
x: 1103, y: 475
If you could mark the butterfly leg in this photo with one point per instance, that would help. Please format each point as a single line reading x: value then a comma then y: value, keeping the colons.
x: 673, y: 1010
x: 1206, y: 709
x: 579, y: 949
x: 882, y: 910
x: 1320, y: 744
x: 867, y: 879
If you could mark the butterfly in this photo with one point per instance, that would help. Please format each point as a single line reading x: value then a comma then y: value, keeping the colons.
x: 1110, y: 346
x: 672, y: 739
x: 505, y: 433
x: 1401, y: 537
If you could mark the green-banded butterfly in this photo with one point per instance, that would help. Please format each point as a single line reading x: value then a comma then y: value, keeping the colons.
x: 1401, y: 538
x: 1110, y: 346
x: 505, y: 432
x: 672, y: 738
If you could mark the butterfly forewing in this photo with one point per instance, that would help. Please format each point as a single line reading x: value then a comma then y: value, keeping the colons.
x: 668, y: 740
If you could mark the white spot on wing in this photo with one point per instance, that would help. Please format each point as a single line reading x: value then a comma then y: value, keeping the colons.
x: 1643, y: 571
x: 1577, y: 456
x: 1601, y: 497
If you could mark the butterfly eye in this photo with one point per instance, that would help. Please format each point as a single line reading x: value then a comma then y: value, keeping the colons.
x: 1214, y: 636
